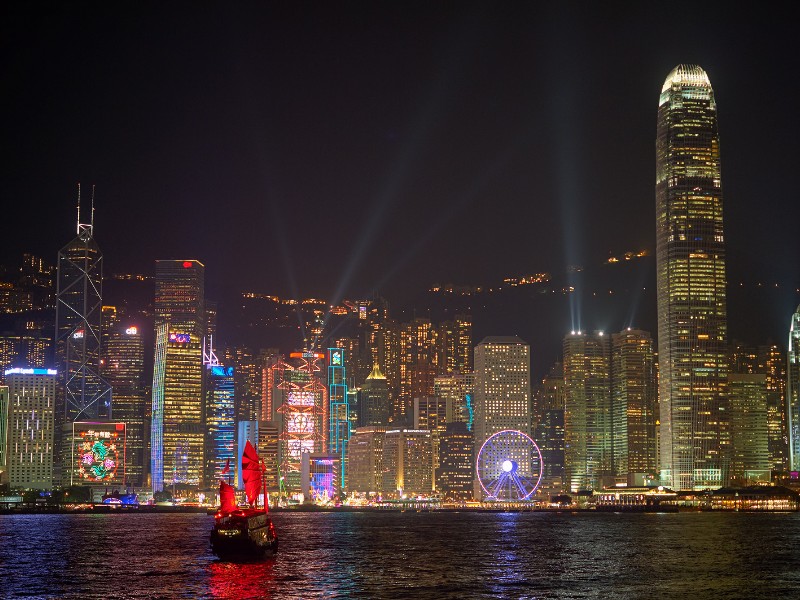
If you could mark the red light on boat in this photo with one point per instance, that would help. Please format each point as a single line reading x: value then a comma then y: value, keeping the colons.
x: 187, y: 264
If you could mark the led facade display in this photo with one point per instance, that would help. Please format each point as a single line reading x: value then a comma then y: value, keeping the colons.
x: 99, y: 451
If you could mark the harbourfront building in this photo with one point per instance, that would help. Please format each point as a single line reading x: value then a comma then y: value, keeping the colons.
x: 82, y: 393
x: 124, y: 371
x: 365, y: 460
x: 220, y: 425
x: 31, y: 413
x: 634, y: 404
x: 502, y: 393
x: 793, y: 390
x: 177, y: 429
x: 455, y: 474
x: 750, y: 459
x: 588, y: 450
x: 691, y: 280
x: 407, y: 463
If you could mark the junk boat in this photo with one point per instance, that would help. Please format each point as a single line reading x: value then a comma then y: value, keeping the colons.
x: 244, y: 533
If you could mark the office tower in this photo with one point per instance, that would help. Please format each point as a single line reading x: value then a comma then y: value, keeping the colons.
x: 793, y: 390
x: 455, y: 474
x: 454, y: 345
x: 502, y: 393
x: 772, y: 362
x: 31, y: 413
x: 634, y: 404
x: 768, y: 360
x: 587, y: 411
x: 339, y: 411
x: 268, y: 447
x: 750, y: 461
x: 246, y: 431
x: 320, y: 476
x: 3, y: 433
x: 82, y: 394
x: 14, y: 299
x: 549, y: 431
x: 417, y: 367
x: 220, y: 423
x: 124, y: 371
x: 458, y: 392
x: 177, y: 430
x: 690, y: 267
x: 364, y: 461
x: 430, y: 413
x: 373, y: 402
x: 303, y: 412
x: 23, y: 351
x: 36, y: 277
x: 407, y: 463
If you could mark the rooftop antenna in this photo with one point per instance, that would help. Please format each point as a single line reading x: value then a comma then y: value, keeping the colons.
x: 79, y: 207
x: 91, y: 223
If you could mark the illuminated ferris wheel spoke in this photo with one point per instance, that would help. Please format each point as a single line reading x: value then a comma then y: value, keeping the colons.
x: 509, y: 466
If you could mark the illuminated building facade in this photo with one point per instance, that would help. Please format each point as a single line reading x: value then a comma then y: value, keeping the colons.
x: 320, y: 474
x: 23, y: 351
x: 98, y: 452
x: 269, y: 433
x: 31, y: 413
x: 750, y: 460
x: 455, y: 474
x: 3, y: 433
x: 502, y: 391
x: 634, y: 405
x: 82, y: 393
x: 303, y: 412
x: 177, y: 429
x: 417, y: 367
x: 246, y: 431
x: 220, y: 424
x: 458, y: 392
x: 454, y: 345
x: 365, y: 460
x: 690, y: 267
x: 339, y: 411
x: 124, y: 371
x: 407, y: 463
x: 587, y: 410
x: 793, y: 390
x: 373, y: 402
x: 549, y: 417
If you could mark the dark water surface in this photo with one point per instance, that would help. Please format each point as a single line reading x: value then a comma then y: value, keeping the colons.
x: 409, y: 555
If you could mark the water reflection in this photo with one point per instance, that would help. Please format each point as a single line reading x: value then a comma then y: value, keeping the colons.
x: 242, y: 580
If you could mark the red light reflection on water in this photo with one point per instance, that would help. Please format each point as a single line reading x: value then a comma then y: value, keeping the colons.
x: 242, y: 580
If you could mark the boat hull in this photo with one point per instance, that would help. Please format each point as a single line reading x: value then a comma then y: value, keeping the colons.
x: 244, y: 537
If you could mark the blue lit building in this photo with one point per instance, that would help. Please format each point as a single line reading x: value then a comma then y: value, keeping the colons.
x: 220, y: 423
x: 339, y: 414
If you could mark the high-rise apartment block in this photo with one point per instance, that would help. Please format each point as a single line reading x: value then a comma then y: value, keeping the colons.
x: 690, y: 267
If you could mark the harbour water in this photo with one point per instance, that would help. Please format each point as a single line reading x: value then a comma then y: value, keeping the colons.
x: 409, y: 555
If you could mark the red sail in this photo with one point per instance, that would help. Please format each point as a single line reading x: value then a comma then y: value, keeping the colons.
x: 227, y: 498
x: 251, y: 472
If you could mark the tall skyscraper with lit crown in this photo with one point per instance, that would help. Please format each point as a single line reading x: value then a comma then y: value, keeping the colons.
x: 690, y: 265
x: 793, y: 390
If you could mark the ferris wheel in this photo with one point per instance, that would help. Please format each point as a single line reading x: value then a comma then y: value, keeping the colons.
x: 509, y: 466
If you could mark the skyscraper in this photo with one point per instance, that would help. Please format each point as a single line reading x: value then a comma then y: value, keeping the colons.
x: 177, y: 432
x: 750, y: 460
x: 793, y: 390
x: 690, y: 266
x: 30, y: 427
x: 124, y: 371
x: 82, y: 394
x: 549, y: 432
x: 633, y: 406
x: 220, y: 450
x: 502, y: 391
x: 339, y: 412
x: 373, y: 402
x: 587, y: 410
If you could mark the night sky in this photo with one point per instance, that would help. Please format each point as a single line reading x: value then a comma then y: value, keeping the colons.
x: 333, y: 149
